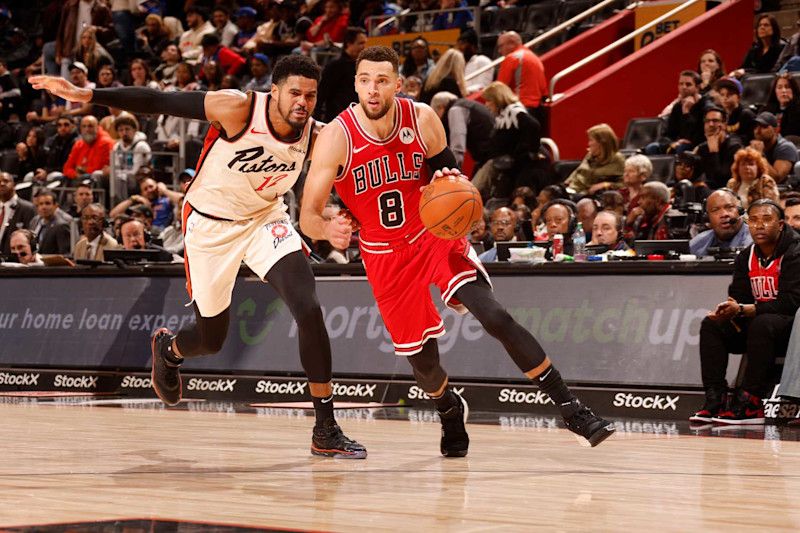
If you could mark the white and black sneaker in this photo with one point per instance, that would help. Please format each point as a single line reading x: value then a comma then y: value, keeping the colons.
x: 455, y: 441
x: 589, y: 429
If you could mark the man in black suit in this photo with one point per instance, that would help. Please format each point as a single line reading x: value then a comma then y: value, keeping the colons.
x: 15, y: 213
x: 51, y: 225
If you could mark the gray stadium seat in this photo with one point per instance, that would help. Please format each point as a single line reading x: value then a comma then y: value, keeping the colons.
x: 562, y: 169
x: 663, y: 167
x: 642, y: 131
x: 540, y: 17
x: 755, y: 89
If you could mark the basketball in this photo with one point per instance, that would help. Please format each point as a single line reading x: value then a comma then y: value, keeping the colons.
x: 450, y: 206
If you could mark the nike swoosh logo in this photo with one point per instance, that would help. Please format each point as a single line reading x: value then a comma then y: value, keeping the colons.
x: 748, y: 412
x: 356, y: 150
x: 542, y: 378
x: 253, y: 130
x: 327, y: 400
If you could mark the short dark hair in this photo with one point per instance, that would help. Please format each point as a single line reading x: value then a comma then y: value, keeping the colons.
x: 469, y: 36
x: 793, y: 201
x: 64, y: 116
x: 197, y: 10
x: 46, y: 192
x: 352, y: 34
x: 295, y: 65
x: 378, y: 54
x: 771, y: 203
x: 94, y: 205
x: 527, y: 195
x: 221, y: 8
x: 84, y: 185
x: 125, y: 120
x: 692, y: 74
x: 209, y: 39
x: 717, y: 109
x: 557, y: 190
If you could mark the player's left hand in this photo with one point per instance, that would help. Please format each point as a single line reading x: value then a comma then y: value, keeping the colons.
x: 355, y: 225
x: 337, y: 232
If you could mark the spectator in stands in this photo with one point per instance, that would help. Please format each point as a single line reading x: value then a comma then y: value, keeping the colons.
x: 603, y: 165
x: 135, y: 237
x: 680, y: 113
x: 246, y: 22
x: 784, y: 103
x: 687, y: 167
x: 75, y: 16
x: 741, y: 120
x: 228, y: 61
x: 688, y: 86
x: 152, y: 39
x: 172, y: 236
x: 78, y: 73
x: 412, y: 87
x: 468, y: 45
x: 638, y: 169
x: 710, y: 68
x: 154, y: 195
x: 467, y: 124
x: 106, y: 77
x: 514, y: 144
x: 524, y: 226
x: 728, y: 228
x: 766, y: 49
x: 15, y: 212
x: 587, y: 211
x: 185, y: 79
x: 335, y: 96
x: 189, y: 43
x: 132, y: 150
x: 377, y: 8
x: 58, y: 148
x: 613, y: 201
x: 31, y: 154
x: 139, y: 75
x: 559, y: 218
x: 124, y: 13
x: 22, y: 244
x: 524, y: 196
x: 90, y: 155
x: 447, y: 75
x: 107, y: 122
x: 92, y: 54
x: 10, y: 93
x: 170, y: 59
x: 781, y: 155
x: 80, y: 198
x: 260, y: 78
x: 211, y: 77
x: 607, y: 231
x: 168, y: 135
x: 224, y: 28
x: 480, y: 232
x: 522, y: 71
x: 717, y: 153
x: 651, y: 217
x: 793, y: 212
x: 94, y: 240
x: 545, y: 196
x: 756, y: 319
x: 51, y: 225
x: 332, y: 24
x: 418, y: 61
x: 452, y: 20
x: 750, y: 180
x: 503, y: 225
x: 230, y: 82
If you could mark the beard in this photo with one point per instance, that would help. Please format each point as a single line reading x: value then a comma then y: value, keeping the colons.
x: 379, y: 114
x: 295, y: 123
x: 89, y: 138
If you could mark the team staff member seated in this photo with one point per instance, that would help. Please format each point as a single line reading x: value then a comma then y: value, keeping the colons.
x: 756, y: 318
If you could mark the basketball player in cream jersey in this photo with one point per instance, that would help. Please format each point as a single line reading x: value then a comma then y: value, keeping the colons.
x: 234, y: 212
x: 373, y: 154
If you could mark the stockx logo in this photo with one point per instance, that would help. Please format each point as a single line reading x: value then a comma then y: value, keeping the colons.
x: 658, y: 402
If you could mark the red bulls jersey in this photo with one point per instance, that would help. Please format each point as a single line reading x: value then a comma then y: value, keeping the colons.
x: 381, y: 178
x: 763, y: 280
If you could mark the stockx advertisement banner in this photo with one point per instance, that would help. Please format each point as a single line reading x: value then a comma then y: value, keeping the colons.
x: 597, y: 329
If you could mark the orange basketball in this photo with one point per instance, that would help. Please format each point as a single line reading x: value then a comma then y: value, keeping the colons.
x: 450, y: 206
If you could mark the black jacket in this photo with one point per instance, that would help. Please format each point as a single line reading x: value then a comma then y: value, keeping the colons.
x: 789, y: 118
x: 58, y: 151
x: 788, y: 253
x: 717, y: 166
x: 480, y: 123
x: 448, y: 84
x: 56, y: 239
x: 755, y: 62
x: 335, y: 92
x: 19, y: 219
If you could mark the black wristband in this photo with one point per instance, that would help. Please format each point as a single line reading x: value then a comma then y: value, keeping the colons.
x: 445, y: 158
x: 146, y: 101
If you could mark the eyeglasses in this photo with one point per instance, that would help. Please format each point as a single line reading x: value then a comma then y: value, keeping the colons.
x: 504, y: 223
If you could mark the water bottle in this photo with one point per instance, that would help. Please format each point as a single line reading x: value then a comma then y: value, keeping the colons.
x: 579, y: 243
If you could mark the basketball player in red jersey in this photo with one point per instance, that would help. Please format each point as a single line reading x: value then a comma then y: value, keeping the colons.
x: 234, y: 211
x: 373, y: 153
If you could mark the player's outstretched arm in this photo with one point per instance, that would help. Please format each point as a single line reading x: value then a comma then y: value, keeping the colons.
x: 329, y: 155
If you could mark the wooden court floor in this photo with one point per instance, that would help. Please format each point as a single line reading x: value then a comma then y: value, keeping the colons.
x: 81, y: 464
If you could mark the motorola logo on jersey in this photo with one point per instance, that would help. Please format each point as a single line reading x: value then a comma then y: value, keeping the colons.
x: 82, y: 382
x: 19, y: 379
x: 407, y: 135
x: 374, y: 174
x: 212, y: 385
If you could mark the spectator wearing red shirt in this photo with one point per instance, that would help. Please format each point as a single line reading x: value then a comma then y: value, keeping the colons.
x: 522, y: 71
x: 229, y: 61
x: 332, y: 22
x: 91, y: 153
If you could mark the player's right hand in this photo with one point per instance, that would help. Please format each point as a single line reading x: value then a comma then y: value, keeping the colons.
x: 445, y: 172
x: 355, y: 225
x: 61, y: 88
x: 338, y: 231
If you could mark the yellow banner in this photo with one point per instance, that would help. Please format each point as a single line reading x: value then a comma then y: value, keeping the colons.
x: 441, y: 41
x: 651, y: 11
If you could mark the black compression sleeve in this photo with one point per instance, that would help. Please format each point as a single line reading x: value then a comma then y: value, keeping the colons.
x: 445, y: 158
x: 146, y: 101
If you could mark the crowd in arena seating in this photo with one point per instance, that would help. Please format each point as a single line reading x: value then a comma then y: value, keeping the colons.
x: 84, y: 154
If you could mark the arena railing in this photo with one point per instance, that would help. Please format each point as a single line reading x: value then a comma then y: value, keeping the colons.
x: 427, y: 16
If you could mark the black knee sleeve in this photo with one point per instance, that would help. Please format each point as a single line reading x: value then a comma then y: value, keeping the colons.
x: 427, y: 371
x: 206, y: 336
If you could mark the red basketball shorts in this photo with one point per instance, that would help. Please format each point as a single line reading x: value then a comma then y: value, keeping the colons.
x: 401, y: 276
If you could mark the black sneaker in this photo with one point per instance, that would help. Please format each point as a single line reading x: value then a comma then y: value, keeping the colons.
x: 166, y: 375
x: 330, y: 441
x: 589, y: 429
x: 455, y: 441
x: 714, y: 405
x: 745, y: 409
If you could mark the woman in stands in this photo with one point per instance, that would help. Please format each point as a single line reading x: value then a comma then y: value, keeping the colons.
x: 711, y: 68
x: 447, y: 75
x: 515, y: 145
x: 750, y: 179
x: 140, y: 75
x: 31, y: 154
x: 418, y: 60
x: 784, y: 103
x: 152, y: 39
x: 212, y: 77
x: 184, y: 78
x: 603, y: 166
x: 106, y: 77
x: 91, y: 53
x: 171, y: 58
x: 761, y: 57
x: 638, y: 169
